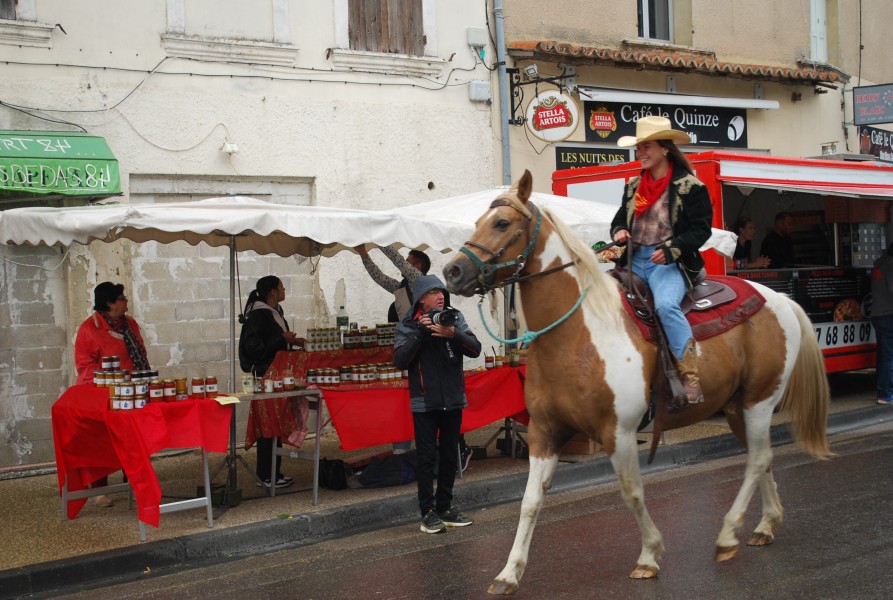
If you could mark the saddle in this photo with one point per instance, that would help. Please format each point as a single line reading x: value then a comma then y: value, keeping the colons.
x: 715, y: 304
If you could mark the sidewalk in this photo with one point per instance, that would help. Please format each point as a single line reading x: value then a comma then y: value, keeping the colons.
x: 41, y: 552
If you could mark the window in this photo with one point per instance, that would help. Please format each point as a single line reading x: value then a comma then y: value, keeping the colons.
x: 818, y: 31
x: 8, y: 10
x: 386, y: 26
x: 655, y: 19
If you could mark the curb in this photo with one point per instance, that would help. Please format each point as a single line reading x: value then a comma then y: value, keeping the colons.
x: 305, y: 529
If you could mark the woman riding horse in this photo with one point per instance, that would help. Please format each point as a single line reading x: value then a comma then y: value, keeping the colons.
x: 666, y: 213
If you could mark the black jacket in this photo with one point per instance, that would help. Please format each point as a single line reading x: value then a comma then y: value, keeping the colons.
x: 436, y: 377
x: 260, y: 339
x: 691, y: 214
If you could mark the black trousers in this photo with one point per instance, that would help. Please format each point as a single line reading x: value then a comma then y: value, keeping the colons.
x: 428, y: 425
x: 264, y: 462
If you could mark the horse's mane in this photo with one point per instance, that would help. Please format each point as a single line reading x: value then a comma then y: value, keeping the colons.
x: 603, y: 299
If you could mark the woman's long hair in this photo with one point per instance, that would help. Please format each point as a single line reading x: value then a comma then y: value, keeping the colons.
x: 261, y: 292
x: 675, y: 156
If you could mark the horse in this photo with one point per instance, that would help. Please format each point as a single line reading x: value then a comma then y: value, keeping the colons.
x: 590, y: 370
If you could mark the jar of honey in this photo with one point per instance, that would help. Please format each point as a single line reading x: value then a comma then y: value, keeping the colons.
x: 170, y: 389
x: 156, y: 390
x: 198, y: 388
x: 210, y: 387
x: 288, y: 379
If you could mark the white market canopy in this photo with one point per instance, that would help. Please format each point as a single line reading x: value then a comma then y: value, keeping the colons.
x: 263, y: 227
x: 455, y: 216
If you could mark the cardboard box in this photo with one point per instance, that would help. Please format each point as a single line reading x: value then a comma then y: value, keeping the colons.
x: 580, y: 444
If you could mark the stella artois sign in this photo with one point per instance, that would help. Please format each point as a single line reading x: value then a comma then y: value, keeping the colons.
x: 552, y: 116
x: 602, y: 121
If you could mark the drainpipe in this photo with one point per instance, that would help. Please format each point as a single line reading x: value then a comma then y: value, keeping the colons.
x: 505, y: 109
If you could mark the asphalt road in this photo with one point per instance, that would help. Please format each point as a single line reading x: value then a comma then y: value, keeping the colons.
x: 836, y: 542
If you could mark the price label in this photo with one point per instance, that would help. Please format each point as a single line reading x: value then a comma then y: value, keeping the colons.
x: 839, y: 335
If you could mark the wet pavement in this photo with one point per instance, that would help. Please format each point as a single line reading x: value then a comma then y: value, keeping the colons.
x: 41, y: 550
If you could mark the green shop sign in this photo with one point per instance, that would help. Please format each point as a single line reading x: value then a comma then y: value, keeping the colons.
x: 52, y: 163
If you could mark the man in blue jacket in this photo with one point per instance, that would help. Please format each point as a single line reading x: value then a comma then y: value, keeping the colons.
x: 432, y: 351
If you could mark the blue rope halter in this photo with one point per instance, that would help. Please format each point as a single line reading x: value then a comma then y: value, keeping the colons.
x: 528, y: 337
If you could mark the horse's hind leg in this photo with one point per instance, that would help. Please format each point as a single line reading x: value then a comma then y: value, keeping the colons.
x: 756, y: 471
x: 773, y: 513
x: 626, y: 464
x: 539, y: 479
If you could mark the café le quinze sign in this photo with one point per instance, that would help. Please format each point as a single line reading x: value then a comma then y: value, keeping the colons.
x: 707, y: 125
x: 552, y: 116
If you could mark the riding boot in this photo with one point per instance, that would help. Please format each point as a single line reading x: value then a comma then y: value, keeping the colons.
x: 688, y: 373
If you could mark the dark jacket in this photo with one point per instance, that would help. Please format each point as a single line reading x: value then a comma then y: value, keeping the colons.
x: 436, y: 378
x: 260, y: 339
x: 691, y: 215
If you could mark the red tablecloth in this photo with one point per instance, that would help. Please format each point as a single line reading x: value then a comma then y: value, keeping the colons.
x: 277, y: 417
x: 375, y: 414
x: 92, y: 441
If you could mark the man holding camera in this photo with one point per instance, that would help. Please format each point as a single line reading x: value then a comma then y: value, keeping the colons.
x: 431, y: 341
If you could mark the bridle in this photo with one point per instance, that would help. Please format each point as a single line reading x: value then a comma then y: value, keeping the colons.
x: 488, y: 268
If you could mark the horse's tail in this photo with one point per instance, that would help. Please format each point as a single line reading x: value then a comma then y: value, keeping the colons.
x: 807, y: 395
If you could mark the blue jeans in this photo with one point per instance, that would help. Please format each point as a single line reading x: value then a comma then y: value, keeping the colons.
x: 883, y: 327
x: 668, y: 288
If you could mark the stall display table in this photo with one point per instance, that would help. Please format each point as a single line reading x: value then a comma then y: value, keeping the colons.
x: 378, y: 413
x: 92, y: 441
x: 275, y: 416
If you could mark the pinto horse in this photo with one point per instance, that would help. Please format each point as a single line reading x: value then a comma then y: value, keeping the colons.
x: 593, y: 372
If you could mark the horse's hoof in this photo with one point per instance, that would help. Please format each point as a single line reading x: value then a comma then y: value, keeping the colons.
x: 724, y: 554
x: 644, y: 572
x: 760, y: 539
x: 502, y: 588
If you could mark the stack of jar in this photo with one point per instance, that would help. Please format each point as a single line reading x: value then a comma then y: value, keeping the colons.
x: 386, y: 334
x: 129, y: 390
x: 323, y: 339
x: 271, y: 382
x: 354, y: 374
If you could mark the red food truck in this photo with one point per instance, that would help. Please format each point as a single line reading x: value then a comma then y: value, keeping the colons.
x: 841, y: 212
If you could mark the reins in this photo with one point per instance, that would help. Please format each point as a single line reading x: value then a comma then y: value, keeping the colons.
x: 490, y: 267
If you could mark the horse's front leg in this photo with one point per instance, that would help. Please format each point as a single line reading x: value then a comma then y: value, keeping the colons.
x: 539, y: 479
x: 626, y: 464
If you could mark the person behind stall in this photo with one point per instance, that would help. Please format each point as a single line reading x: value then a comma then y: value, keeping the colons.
x: 108, y: 332
x: 666, y: 213
x: 745, y: 230
x: 778, y: 245
x: 882, y: 319
x: 265, y: 332
x: 417, y: 263
x: 432, y: 353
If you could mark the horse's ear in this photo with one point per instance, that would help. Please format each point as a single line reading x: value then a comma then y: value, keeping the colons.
x: 525, y: 186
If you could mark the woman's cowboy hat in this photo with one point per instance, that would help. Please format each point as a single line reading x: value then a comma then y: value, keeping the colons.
x: 654, y: 128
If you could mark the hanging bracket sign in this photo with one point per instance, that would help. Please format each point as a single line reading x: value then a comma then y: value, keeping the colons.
x: 552, y: 116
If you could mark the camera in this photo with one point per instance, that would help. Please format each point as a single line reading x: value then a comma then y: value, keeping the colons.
x: 446, y: 317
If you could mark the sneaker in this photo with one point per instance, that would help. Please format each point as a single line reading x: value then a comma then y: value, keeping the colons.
x: 464, y: 458
x: 887, y: 400
x: 103, y: 501
x: 280, y: 483
x: 431, y: 523
x: 451, y: 517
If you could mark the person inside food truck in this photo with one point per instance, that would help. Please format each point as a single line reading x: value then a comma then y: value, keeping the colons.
x: 778, y: 244
x: 666, y: 215
x: 108, y: 332
x: 745, y: 230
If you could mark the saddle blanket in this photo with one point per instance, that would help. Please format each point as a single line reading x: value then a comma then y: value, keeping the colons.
x: 712, y: 321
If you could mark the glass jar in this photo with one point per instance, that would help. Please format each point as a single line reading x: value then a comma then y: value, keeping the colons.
x: 210, y: 387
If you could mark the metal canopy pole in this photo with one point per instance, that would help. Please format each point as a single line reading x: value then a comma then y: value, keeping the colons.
x: 231, y: 480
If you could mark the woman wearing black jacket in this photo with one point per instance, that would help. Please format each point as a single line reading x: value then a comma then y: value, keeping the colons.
x: 264, y: 332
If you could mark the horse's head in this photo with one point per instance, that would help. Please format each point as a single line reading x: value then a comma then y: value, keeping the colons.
x: 500, y: 246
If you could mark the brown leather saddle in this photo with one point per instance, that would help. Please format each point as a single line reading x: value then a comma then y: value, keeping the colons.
x: 705, y: 294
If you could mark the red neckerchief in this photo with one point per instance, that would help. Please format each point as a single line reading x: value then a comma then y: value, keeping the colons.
x: 650, y: 190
